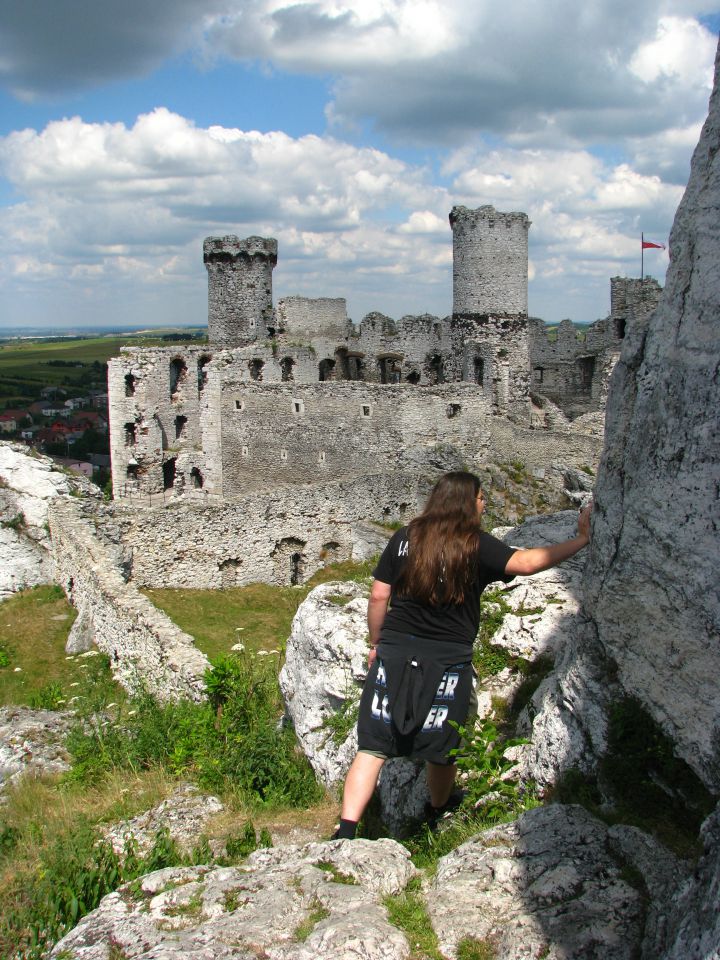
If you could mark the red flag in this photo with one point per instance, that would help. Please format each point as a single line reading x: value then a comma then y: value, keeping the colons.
x: 648, y: 244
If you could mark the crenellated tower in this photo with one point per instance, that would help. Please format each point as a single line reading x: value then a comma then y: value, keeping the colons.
x: 240, y: 307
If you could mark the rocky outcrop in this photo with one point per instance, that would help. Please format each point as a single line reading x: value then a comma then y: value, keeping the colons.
x: 32, y: 741
x: 321, y: 680
x: 323, y: 900
x: 184, y: 814
x: 28, y: 483
x: 553, y: 884
x: 652, y: 579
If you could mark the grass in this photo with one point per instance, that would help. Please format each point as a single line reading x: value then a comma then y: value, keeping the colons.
x: 34, y: 625
x: 317, y: 913
x: 258, y: 615
x: 409, y: 913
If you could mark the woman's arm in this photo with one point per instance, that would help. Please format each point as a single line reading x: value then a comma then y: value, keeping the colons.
x: 524, y: 562
x: 377, y: 608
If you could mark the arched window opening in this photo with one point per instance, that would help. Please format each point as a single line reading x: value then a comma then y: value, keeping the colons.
x: 286, y: 369
x: 620, y: 328
x: 479, y: 371
x: 130, y: 383
x: 178, y: 373
x: 326, y: 370
x: 169, y: 474
x: 180, y: 423
x: 202, y: 373
x: 413, y: 377
x: 196, y: 478
x: 130, y: 434
x: 256, y: 368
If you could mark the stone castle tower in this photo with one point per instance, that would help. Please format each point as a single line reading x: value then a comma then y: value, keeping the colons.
x: 490, y: 261
x: 240, y: 306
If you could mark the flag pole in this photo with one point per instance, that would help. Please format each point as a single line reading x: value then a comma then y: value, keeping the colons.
x: 642, y: 254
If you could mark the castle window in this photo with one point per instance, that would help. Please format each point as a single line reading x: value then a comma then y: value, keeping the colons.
x: 298, y: 406
x: 366, y: 410
x: 586, y: 369
x: 178, y: 373
x: 321, y: 457
x: 180, y: 423
x: 130, y: 434
x: 413, y: 377
x: 132, y: 470
x: 256, y: 368
x: 538, y: 374
x: 326, y: 370
x: 202, y: 373
x: 239, y: 405
x: 620, y: 325
x: 196, y: 478
x: 283, y: 454
x: 478, y: 370
x: 452, y: 410
x: 130, y: 382
x: 169, y: 474
x: 244, y: 452
x: 286, y: 369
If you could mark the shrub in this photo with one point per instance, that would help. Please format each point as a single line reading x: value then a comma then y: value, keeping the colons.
x: 235, y: 738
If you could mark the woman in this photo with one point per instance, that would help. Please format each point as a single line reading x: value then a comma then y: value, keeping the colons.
x: 423, y: 617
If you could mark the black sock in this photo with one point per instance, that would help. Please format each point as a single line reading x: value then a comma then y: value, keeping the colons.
x: 346, y: 830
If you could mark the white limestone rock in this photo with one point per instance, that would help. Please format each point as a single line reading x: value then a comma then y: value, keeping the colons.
x: 325, y: 665
x: 185, y: 814
x: 27, y: 485
x: 543, y: 886
x: 32, y: 741
x: 691, y: 930
x: 652, y: 575
x: 256, y: 910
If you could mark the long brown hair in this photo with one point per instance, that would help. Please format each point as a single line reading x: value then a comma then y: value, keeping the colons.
x: 444, y: 543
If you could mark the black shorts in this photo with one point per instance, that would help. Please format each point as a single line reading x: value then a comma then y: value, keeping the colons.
x: 443, y: 696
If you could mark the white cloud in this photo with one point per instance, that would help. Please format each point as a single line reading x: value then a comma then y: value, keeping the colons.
x: 123, y: 210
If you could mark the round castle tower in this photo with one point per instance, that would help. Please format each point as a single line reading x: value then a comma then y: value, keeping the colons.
x: 490, y: 261
x: 239, y: 289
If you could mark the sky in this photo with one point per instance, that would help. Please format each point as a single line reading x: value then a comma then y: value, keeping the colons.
x: 130, y: 131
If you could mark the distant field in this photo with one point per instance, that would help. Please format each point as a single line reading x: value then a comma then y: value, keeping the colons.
x: 28, y: 366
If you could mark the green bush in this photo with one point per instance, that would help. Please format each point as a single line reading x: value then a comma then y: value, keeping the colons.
x: 74, y: 874
x: 233, y: 739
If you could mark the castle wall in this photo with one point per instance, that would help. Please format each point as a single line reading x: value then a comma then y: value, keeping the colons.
x: 141, y: 642
x: 493, y: 352
x: 304, y: 318
x: 299, y: 433
x: 277, y: 536
x: 490, y: 261
x: 160, y: 416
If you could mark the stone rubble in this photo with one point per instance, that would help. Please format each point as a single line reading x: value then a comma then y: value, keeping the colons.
x: 31, y: 741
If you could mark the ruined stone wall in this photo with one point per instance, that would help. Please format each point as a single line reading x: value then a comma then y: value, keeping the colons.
x: 278, y: 536
x: 240, y: 307
x: 139, y: 639
x: 158, y: 412
x: 490, y: 261
x: 493, y: 352
x: 305, y: 432
x: 303, y: 318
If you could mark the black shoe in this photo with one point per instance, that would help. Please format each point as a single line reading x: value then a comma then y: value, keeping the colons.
x: 433, y: 815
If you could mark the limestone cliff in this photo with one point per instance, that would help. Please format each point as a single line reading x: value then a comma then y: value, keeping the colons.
x: 651, y: 583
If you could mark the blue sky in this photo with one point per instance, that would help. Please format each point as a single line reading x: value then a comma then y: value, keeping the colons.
x: 128, y: 132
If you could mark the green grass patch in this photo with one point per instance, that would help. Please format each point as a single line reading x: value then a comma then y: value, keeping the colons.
x: 407, y: 912
x: 470, y: 948
x: 258, y: 615
x: 34, y: 625
x: 317, y: 913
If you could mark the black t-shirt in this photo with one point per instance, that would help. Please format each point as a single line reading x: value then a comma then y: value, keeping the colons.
x: 451, y: 621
